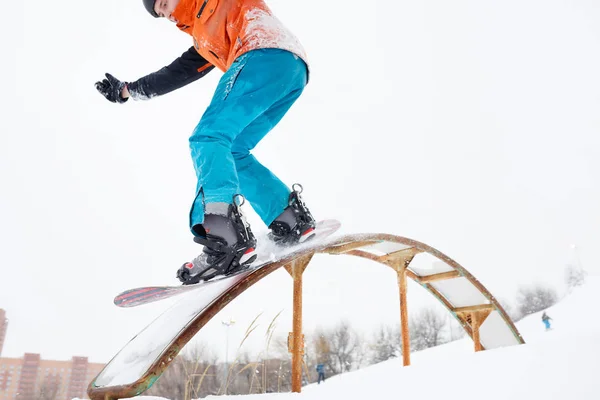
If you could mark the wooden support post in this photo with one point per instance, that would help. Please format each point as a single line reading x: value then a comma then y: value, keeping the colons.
x: 478, y: 316
x: 476, y: 308
x: 439, y: 277
x: 296, y: 269
x: 297, y: 350
x: 401, y: 270
x: 475, y: 327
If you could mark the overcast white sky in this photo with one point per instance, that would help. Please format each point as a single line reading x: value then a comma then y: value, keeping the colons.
x: 472, y: 126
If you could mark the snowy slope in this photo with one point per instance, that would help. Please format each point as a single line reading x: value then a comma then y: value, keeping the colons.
x: 559, y: 364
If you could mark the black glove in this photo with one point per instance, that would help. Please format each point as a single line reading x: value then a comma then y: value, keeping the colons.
x: 111, y: 88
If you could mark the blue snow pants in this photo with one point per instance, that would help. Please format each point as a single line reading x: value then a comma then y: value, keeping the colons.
x: 547, y: 323
x: 250, y: 99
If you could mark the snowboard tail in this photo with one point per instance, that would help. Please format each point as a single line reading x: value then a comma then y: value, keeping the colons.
x: 267, y: 255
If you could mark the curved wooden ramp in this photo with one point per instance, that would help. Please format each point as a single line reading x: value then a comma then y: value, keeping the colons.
x: 139, y: 364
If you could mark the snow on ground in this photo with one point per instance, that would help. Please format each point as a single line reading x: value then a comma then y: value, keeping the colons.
x: 563, y: 363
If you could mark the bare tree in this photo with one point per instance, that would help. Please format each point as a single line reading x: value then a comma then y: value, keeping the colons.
x: 201, y: 370
x: 279, y: 367
x: 344, y: 348
x: 427, y: 329
x: 193, y: 374
x: 534, y: 298
x: 243, y: 375
x: 317, y: 352
x: 339, y: 349
x: 386, y: 344
x: 456, y: 330
x: 574, y: 276
x: 512, y: 312
x: 321, y: 346
x: 362, y: 352
x: 172, y: 382
x: 49, y: 388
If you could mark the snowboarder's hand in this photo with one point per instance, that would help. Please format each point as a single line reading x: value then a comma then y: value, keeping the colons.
x: 112, y: 89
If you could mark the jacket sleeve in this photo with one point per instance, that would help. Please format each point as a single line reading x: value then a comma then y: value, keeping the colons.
x: 186, y: 69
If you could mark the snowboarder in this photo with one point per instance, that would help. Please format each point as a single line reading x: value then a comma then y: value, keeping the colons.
x: 321, y: 371
x: 546, y: 320
x: 265, y: 71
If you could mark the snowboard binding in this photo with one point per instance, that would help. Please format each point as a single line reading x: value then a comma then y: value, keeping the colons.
x: 296, y: 224
x: 219, y: 257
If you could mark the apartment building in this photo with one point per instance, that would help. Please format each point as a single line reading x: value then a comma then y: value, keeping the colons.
x: 31, y: 378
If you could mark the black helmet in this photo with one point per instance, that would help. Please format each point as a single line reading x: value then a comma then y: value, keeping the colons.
x: 149, y: 4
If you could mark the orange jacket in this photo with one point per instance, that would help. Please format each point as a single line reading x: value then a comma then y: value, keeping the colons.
x: 225, y: 29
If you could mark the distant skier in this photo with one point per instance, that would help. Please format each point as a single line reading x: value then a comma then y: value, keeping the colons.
x: 321, y: 371
x: 546, y: 320
x: 265, y: 72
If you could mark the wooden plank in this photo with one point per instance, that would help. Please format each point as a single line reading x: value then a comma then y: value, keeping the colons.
x: 468, y: 309
x: 442, y: 276
x: 373, y: 257
x: 399, y: 257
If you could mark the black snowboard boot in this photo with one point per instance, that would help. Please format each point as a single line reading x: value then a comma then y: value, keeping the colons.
x: 229, y: 246
x: 295, y: 224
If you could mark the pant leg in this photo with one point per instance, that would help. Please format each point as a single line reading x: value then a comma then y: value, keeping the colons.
x: 261, y: 187
x: 251, y: 86
x: 547, y: 323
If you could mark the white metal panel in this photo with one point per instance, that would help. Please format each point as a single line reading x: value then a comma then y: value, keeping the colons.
x: 495, y: 332
x: 425, y: 264
x: 460, y: 292
x: 384, y: 247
